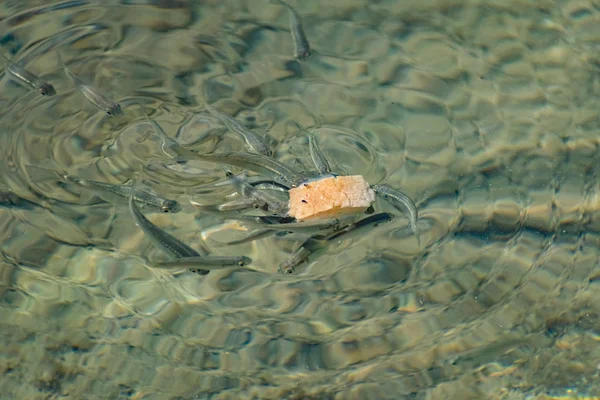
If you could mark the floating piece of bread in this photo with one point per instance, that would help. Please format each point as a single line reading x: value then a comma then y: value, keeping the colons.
x: 330, y: 197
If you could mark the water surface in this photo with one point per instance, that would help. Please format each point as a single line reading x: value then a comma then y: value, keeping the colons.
x: 485, y: 113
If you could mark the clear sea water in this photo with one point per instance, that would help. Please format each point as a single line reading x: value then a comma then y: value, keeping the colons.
x: 484, y: 112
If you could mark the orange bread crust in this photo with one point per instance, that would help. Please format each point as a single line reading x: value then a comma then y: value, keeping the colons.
x: 330, y: 197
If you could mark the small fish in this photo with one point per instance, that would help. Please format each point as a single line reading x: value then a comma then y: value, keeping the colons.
x: 251, y: 198
x: 491, y: 352
x: 296, y: 227
x: 317, y: 243
x: 170, y: 245
x: 103, y: 190
x: 241, y: 204
x: 298, y: 257
x: 211, y: 263
x: 91, y: 93
x: 403, y: 203
x: 259, y: 234
x: 208, y: 188
x: 272, y: 219
x: 319, y: 160
x: 257, y: 163
x: 28, y: 79
x: 172, y: 144
x: 230, y: 207
x: 262, y: 200
x: 10, y: 200
x: 356, y: 228
x: 283, y: 229
x: 301, y: 46
x: 269, y: 185
x: 253, y: 141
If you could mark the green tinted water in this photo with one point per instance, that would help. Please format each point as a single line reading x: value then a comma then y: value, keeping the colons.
x: 485, y: 113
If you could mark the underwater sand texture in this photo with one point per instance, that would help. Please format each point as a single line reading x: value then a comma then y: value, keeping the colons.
x: 484, y: 112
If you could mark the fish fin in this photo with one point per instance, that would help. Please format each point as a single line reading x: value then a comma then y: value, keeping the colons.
x: 41, y: 174
x: 66, y: 70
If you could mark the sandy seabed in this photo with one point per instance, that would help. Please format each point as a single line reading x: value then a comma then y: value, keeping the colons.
x: 484, y: 112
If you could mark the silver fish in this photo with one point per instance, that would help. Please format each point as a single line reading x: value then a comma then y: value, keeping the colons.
x: 298, y: 227
x: 270, y: 185
x: 403, y: 203
x: 491, y: 352
x: 262, y: 200
x: 229, y: 208
x: 11, y: 200
x: 355, y: 229
x: 211, y: 263
x: 298, y: 257
x: 318, y: 243
x: 257, y: 235
x: 28, y: 79
x: 319, y: 160
x: 283, y: 228
x: 255, y: 162
x: 91, y: 93
x: 253, y: 141
x: 172, y: 144
x: 301, y: 46
x: 170, y: 245
x: 122, y: 192
x: 241, y: 204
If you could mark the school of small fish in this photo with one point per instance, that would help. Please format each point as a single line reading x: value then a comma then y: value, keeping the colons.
x: 267, y: 196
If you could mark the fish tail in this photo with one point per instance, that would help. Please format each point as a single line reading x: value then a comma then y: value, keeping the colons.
x: 61, y: 61
x: 157, y: 128
x: 40, y: 174
x: 416, y: 232
x: 63, y: 65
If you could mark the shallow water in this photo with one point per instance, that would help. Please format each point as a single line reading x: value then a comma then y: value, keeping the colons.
x: 484, y: 112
